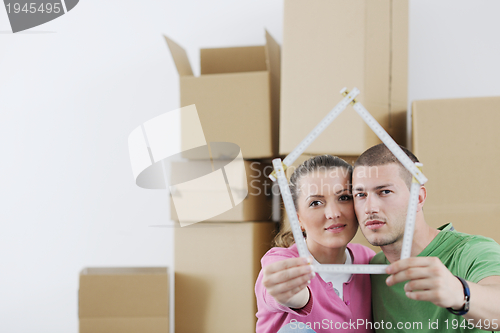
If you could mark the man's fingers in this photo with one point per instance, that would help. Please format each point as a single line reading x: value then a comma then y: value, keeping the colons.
x: 404, y: 264
x: 412, y: 273
x: 422, y: 295
x: 419, y: 285
x: 413, y: 268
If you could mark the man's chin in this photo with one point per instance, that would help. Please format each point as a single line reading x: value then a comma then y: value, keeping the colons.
x: 378, y: 241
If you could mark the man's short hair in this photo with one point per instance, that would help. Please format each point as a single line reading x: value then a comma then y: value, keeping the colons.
x: 381, y: 155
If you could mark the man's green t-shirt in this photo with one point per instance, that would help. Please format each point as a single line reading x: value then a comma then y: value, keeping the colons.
x: 469, y: 256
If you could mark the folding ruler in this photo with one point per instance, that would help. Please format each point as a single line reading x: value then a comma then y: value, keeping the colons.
x: 418, y: 179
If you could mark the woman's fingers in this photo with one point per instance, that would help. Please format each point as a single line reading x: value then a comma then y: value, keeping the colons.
x: 285, y: 270
x: 286, y: 286
x: 286, y: 278
x: 284, y: 264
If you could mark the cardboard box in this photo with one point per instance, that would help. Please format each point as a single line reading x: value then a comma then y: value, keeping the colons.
x: 236, y: 95
x: 124, y: 300
x: 457, y: 141
x: 216, y: 266
x: 256, y: 206
x: 331, y: 44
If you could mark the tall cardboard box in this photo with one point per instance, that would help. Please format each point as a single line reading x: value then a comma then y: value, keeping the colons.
x: 331, y: 44
x: 457, y: 141
x: 256, y: 206
x: 236, y: 95
x: 124, y: 300
x: 216, y: 266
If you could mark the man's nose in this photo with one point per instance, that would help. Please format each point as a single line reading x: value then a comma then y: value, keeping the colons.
x: 371, y: 205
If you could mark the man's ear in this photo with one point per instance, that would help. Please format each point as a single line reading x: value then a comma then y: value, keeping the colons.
x: 422, y: 195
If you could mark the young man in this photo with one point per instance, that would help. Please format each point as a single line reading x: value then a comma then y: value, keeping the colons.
x: 422, y: 293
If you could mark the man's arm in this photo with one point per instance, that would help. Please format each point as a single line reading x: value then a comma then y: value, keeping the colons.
x: 485, y: 300
x: 430, y: 280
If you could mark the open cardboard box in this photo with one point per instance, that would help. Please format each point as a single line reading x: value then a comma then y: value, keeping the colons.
x: 236, y: 95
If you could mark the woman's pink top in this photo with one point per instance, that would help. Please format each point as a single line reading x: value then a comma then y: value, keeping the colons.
x: 325, y: 311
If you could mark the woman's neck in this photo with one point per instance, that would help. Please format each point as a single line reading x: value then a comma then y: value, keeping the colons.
x: 327, y: 256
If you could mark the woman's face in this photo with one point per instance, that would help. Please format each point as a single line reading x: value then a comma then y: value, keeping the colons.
x: 325, y: 209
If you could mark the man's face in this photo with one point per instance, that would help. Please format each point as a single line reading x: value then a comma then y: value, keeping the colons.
x: 380, y: 202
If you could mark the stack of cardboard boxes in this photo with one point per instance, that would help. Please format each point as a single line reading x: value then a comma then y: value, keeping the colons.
x: 326, y: 45
x: 265, y: 103
x: 217, y: 261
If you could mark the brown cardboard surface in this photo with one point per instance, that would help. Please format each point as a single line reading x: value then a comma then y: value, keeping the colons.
x: 236, y: 96
x: 328, y: 45
x: 232, y: 108
x: 399, y: 63
x: 123, y: 292
x: 457, y: 142
x: 233, y: 60
x: 257, y: 206
x: 216, y: 266
x: 273, y: 56
x: 124, y: 325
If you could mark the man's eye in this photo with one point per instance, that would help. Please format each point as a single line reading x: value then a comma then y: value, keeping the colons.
x: 385, y: 191
x: 359, y: 195
x: 314, y: 203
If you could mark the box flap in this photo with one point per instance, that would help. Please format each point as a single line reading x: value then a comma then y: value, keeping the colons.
x: 180, y: 58
x: 233, y: 60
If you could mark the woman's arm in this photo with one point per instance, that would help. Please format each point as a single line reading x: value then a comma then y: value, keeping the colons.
x: 287, y: 280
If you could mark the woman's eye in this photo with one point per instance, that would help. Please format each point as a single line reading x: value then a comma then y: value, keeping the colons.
x: 385, y: 191
x: 345, y: 197
x: 359, y: 195
x: 314, y: 203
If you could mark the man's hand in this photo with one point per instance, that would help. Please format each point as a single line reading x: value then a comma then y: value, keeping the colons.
x: 429, y: 280
x: 287, y: 280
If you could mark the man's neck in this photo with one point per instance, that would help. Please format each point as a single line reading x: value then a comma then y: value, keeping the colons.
x: 422, y: 237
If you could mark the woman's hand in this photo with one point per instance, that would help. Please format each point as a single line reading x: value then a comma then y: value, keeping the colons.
x: 287, y: 280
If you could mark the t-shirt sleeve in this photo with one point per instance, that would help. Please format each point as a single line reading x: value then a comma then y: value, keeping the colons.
x: 480, y: 258
x: 264, y: 299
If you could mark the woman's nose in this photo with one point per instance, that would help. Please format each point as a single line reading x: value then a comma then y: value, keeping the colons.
x: 331, y: 212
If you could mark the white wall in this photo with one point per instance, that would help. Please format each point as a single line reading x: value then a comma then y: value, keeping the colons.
x: 72, y: 90
x: 454, y: 49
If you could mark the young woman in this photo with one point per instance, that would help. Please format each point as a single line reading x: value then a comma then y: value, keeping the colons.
x: 291, y: 297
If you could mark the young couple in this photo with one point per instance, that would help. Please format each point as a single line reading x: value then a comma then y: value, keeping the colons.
x: 450, y: 283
